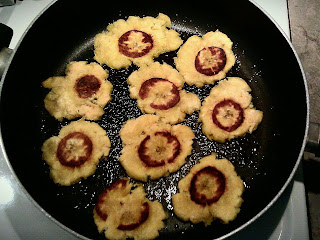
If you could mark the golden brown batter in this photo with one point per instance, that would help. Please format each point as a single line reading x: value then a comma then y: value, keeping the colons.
x: 212, y: 190
x: 228, y: 112
x: 75, y: 152
x: 123, y: 211
x: 83, y: 92
x: 136, y: 40
x: 153, y: 149
x: 205, y: 60
x: 158, y: 90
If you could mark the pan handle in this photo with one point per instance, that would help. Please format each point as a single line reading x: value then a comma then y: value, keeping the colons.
x: 313, y: 140
x: 6, y: 34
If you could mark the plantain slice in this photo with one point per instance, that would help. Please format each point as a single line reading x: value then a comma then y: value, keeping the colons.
x: 153, y: 149
x: 228, y: 111
x: 123, y: 211
x: 211, y: 190
x: 135, y: 40
x: 75, y: 152
x: 83, y: 92
x: 204, y: 60
x: 158, y: 90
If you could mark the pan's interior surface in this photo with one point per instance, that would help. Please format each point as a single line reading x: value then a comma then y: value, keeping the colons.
x: 64, y: 33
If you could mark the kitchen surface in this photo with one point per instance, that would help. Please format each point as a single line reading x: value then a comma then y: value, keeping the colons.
x: 304, y: 23
x: 305, y: 35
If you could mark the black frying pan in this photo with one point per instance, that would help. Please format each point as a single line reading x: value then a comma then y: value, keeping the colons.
x: 265, y: 160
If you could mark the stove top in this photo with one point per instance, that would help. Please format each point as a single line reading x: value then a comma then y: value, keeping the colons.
x: 20, y: 218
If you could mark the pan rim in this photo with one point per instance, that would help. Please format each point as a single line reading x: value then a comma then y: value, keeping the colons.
x: 4, y: 156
